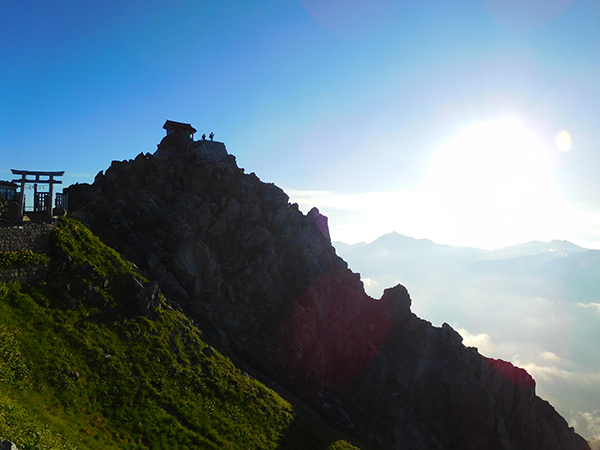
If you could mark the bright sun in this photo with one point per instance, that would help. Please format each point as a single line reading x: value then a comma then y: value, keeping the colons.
x: 493, y: 185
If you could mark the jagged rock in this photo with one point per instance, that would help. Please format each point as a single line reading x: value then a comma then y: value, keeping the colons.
x: 320, y: 221
x: 238, y: 258
x: 145, y: 296
x: 59, y: 211
x: 7, y: 445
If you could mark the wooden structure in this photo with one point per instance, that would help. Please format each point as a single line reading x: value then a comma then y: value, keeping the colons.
x: 179, y: 128
x: 8, y: 190
x: 42, y: 201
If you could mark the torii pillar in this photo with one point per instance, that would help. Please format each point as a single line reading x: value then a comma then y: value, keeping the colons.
x: 24, y: 180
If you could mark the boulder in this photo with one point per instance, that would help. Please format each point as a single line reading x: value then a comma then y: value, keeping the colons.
x: 7, y: 445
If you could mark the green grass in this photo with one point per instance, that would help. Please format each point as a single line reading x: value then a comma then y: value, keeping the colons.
x: 84, y: 247
x: 21, y: 258
x: 97, y: 376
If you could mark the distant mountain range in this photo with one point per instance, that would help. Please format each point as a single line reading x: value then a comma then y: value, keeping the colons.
x: 556, y: 268
x: 396, y: 254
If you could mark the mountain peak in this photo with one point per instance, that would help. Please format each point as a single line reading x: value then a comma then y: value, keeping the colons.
x: 236, y: 257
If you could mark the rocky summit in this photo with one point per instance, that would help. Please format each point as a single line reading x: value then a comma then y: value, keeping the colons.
x: 253, y: 271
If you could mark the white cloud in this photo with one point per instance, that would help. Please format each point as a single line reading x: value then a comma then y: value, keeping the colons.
x: 556, y: 373
x: 566, y: 388
x: 369, y: 282
x: 595, y: 306
x: 481, y: 341
x: 550, y: 357
x: 366, y: 216
x: 588, y: 423
x: 569, y: 387
x: 437, y: 212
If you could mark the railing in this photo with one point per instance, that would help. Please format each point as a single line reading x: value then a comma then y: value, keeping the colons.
x: 41, y: 202
x: 62, y: 201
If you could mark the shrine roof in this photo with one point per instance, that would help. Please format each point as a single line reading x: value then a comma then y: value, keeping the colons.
x: 169, y: 124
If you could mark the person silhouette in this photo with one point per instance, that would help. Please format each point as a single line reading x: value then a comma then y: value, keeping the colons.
x: 211, y: 135
x: 204, y: 137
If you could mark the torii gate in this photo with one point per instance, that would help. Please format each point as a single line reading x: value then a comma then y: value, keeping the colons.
x: 24, y: 180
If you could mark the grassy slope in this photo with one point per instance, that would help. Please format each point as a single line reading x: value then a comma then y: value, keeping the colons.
x: 98, y: 375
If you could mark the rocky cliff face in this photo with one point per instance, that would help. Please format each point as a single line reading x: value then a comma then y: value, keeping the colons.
x: 245, y: 264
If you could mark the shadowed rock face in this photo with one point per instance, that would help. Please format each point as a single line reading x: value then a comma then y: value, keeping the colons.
x: 245, y: 264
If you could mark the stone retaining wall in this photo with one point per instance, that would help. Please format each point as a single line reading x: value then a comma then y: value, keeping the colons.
x: 29, y: 236
x: 27, y: 274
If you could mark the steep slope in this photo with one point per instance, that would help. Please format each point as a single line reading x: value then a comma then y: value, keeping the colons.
x: 536, y: 303
x: 240, y: 261
x: 96, y: 358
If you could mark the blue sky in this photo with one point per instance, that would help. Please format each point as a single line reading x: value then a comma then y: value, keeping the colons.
x: 343, y: 104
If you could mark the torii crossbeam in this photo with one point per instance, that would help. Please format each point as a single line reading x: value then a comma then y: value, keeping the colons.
x: 37, y: 180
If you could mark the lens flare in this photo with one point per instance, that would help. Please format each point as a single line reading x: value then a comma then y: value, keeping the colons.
x: 564, y: 141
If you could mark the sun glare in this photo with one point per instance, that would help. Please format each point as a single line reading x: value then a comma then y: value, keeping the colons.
x: 493, y: 185
x: 490, y: 186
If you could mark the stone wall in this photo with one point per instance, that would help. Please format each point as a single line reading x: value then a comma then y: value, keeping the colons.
x: 28, y: 274
x: 211, y: 151
x: 30, y: 236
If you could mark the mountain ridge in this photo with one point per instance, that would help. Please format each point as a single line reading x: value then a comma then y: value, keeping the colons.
x: 526, y: 248
x: 237, y: 258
